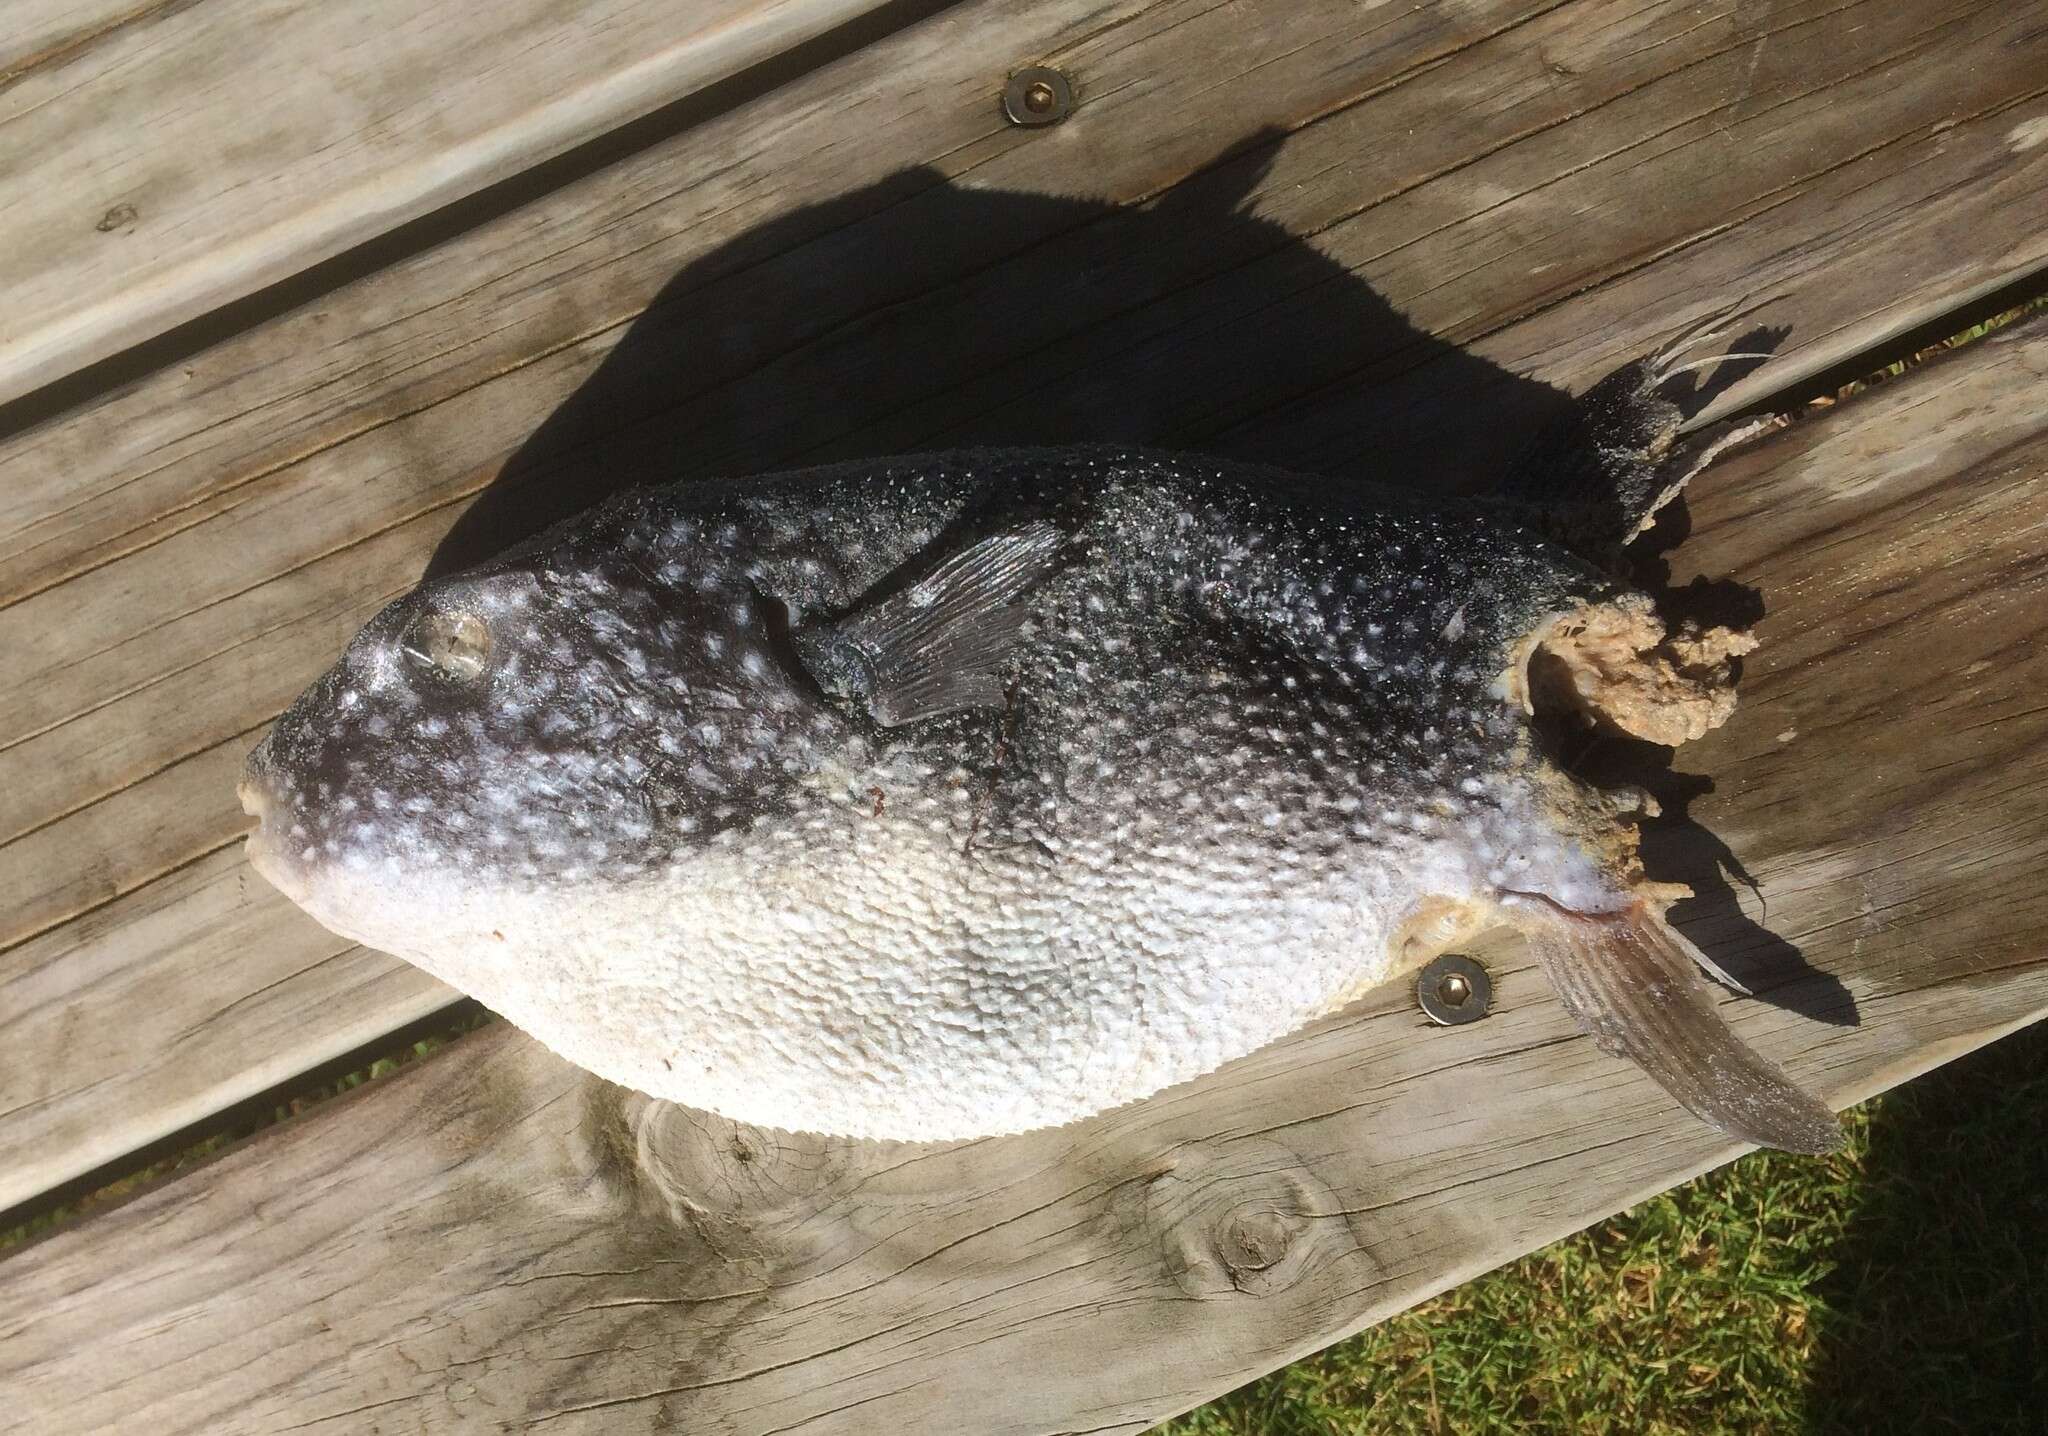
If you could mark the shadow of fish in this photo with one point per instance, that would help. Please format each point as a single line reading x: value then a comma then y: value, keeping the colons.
x: 969, y: 793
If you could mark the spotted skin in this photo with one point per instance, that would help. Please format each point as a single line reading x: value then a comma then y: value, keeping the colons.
x: 1256, y: 725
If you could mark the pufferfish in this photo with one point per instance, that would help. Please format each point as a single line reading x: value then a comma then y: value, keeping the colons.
x: 964, y: 794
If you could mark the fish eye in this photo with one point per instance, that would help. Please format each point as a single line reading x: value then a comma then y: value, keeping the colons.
x: 455, y: 645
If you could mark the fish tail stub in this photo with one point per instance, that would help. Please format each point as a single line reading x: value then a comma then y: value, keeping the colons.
x: 1634, y: 984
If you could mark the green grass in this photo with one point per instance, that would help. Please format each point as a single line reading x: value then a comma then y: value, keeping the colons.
x: 1898, y: 1285
x: 1971, y: 335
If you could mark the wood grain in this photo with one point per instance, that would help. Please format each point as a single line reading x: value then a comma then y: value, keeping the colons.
x: 492, y: 1241
x: 768, y: 255
x: 280, y: 996
x: 164, y: 159
x: 234, y: 446
x: 48, y: 32
x: 181, y: 558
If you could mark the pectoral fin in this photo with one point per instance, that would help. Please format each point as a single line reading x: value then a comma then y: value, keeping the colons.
x: 944, y: 644
x: 1633, y: 983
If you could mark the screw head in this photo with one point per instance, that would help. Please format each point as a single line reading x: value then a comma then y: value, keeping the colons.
x: 1037, y: 95
x: 1453, y: 989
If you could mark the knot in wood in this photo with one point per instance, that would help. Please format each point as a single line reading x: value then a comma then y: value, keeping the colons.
x: 1248, y: 1219
x: 1254, y: 1239
x: 756, y: 1197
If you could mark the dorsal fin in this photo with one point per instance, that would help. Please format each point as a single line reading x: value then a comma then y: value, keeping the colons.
x: 1597, y: 476
x: 944, y: 644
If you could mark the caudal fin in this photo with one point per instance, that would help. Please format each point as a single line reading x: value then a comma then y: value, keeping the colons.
x: 1633, y: 983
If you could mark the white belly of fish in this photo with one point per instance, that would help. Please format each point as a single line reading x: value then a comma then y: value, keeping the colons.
x: 877, y: 976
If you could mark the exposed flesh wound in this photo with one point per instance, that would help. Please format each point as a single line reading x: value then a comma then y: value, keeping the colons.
x: 1621, y: 665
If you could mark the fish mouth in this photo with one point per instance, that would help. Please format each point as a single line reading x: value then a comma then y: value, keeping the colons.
x: 260, y: 800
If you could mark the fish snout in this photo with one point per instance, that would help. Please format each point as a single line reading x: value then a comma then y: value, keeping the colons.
x: 257, y: 788
x: 261, y: 799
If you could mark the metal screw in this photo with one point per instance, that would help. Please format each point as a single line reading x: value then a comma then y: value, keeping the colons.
x: 1453, y: 989
x: 1037, y: 95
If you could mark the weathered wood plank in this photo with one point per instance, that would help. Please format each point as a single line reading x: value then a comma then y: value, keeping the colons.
x: 495, y: 1241
x: 291, y: 479
x: 581, y: 264
x: 165, y: 158
x: 283, y: 995
x: 43, y: 32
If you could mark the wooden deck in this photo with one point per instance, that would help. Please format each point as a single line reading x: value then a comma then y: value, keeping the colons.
x: 358, y: 324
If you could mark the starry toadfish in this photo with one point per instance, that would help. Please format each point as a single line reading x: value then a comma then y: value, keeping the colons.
x: 970, y: 793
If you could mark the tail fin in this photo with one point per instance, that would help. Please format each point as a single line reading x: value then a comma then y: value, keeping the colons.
x: 1633, y: 983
